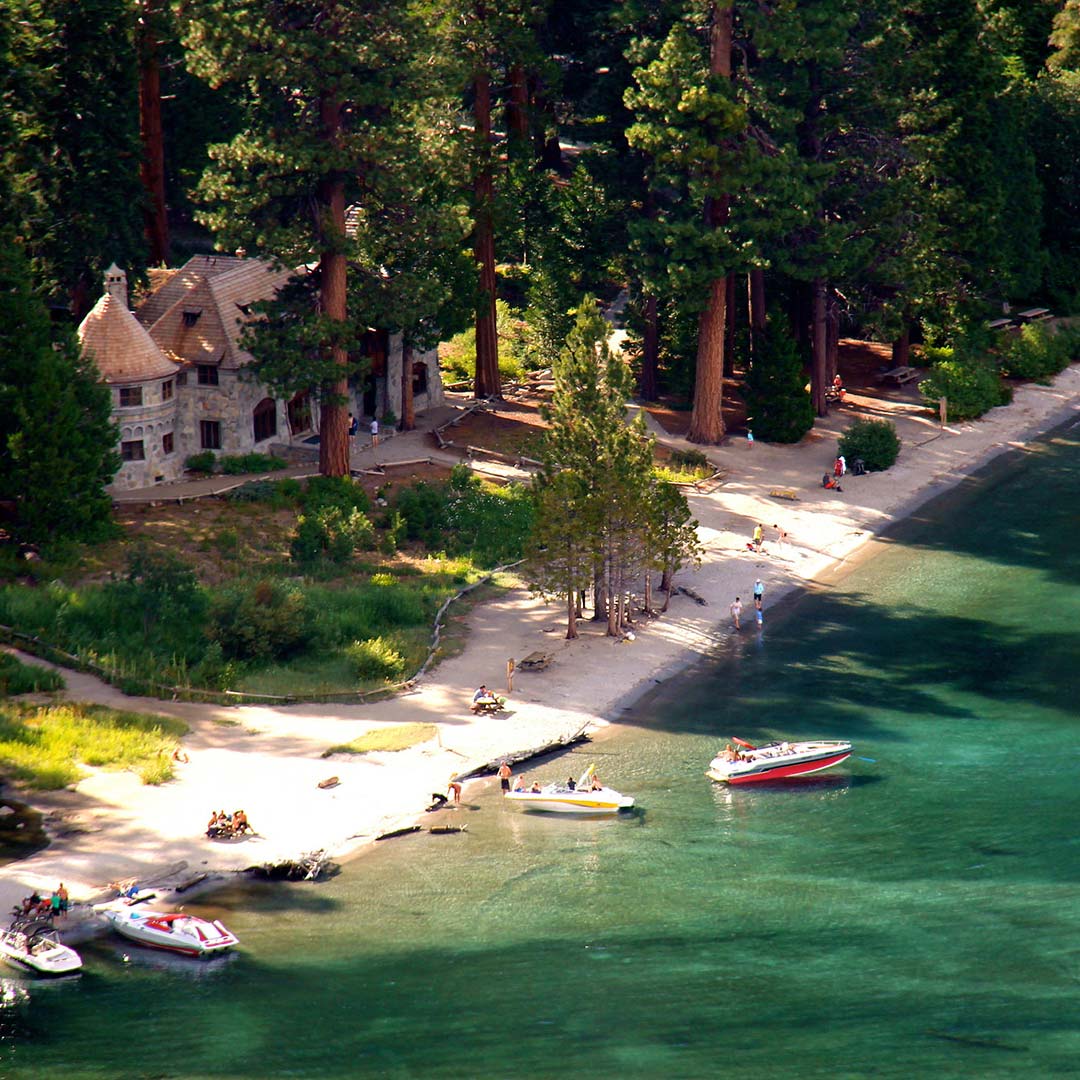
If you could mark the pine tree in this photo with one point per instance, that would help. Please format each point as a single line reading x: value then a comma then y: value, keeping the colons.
x: 57, y: 442
x: 777, y: 405
x: 322, y: 82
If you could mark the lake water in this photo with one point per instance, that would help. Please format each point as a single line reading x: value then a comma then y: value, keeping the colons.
x: 912, y: 914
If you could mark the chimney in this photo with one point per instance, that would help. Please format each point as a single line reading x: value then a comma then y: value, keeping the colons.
x: 116, y: 284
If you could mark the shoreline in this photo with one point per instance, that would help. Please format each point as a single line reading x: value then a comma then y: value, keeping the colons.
x: 268, y: 760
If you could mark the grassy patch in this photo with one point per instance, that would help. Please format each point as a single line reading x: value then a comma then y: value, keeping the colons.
x: 44, y: 747
x: 19, y: 678
x: 399, y: 737
x: 682, y: 474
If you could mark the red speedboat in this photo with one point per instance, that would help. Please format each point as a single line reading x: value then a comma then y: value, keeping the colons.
x: 748, y: 764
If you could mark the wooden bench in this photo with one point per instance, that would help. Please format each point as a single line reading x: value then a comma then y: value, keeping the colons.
x: 535, y: 661
x: 899, y: 375
x: 1035, y: 314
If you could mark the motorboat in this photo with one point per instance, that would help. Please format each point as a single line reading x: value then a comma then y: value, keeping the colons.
x: 587, y: 796
x: 34, y: 945
x: 173, y: 931
x: 748, y: 764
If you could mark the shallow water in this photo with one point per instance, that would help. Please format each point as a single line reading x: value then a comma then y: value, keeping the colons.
x: 911, y: 914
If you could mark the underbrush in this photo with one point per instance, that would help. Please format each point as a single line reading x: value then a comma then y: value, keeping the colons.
x: 44, y: 747
x: 19, y: 678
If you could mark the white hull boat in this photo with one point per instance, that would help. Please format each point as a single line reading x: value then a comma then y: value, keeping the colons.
x: 750, y: 764
x: 175, y: 932
x: 34, y: 946
x: 583, y: 798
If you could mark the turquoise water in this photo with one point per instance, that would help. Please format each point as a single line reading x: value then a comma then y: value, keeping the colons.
x: 912, y: 914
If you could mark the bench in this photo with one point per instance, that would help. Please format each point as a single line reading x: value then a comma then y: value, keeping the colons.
x: 535, y: 661
x: 1035, y: 314
x: 999, y: 324
x: 899, y: 375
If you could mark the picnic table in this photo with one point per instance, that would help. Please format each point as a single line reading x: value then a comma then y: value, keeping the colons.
x: 899, y: 375
x: 999, y: 324
x: 1035, y: 314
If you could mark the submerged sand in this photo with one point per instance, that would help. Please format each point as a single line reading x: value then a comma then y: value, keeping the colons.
x: 269, y: 760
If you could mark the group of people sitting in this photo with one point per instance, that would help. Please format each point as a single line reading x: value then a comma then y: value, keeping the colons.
x: 485, y: 701
x: 45, y: 907
x: 223, y: 825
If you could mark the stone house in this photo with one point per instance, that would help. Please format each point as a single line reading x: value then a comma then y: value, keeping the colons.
x: 181, y: 382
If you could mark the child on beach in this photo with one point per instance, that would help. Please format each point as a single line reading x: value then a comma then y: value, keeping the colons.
x: 736, y: 611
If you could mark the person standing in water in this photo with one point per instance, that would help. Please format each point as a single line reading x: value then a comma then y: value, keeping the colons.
x: 736, y: 611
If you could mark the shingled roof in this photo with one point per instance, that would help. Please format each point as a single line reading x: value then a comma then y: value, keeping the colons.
x: 122, y: 349
x: 206, y: 305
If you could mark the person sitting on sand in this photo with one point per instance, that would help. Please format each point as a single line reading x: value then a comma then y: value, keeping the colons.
x: 240, y: 823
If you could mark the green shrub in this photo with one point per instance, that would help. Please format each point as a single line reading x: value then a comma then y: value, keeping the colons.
x: 875, y: 441
x: 214, y: 672
x: 331, y: 532
x: 238, y: 464
x: 337, y: 491
x: 490, y: 523
x: 19, y: 678
x: 204, y: 462
x: 423, y: 506
x: 1034, y: 353
x: 971, y: 387
x: 778, y: 407
x: 279, y: 494
x: 267, y: 621
x: 689, y: 459
x: 376, y: 658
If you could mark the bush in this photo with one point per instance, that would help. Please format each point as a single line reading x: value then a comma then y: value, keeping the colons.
x: 278, y: 494
x: 689, y: 459
x: 875, y: 441
x: 268, y: 621
x: 423, y: 506
x: 376, y: 658
x: 1034, y: 353
x: 337, y: 491
x: 331, y: 532
x: 237, y: 464
x: 205, y: 462
x: 971, y: 386
x: 19, y: 678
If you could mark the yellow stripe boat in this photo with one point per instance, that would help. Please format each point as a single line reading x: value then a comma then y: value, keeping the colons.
x: 587, y: 796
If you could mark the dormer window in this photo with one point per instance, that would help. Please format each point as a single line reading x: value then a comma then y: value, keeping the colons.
x: 192, y: 317
x: 130, y: 396
x: 245, y: 309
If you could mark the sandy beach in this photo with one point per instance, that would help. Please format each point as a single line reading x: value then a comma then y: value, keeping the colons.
x: 268, y: 760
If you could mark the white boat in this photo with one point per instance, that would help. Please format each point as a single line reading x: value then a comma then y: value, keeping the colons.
x: 581, y: 798
x: 174, y: 931
x: 748, y: 764
x: 33, y: 945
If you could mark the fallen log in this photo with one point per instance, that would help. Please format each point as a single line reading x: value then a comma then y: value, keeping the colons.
x: 563, y: 743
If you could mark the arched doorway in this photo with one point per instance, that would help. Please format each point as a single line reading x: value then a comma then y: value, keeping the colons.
x: 264, y: 417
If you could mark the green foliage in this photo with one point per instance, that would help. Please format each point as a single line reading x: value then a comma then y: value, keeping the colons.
x: 238, y: 464
x: 376, y: 658
x: 57, y: 442
x: 331, y: 532
x: 457, y: 357
x: 1034, y: 353
x: 162, y: 589
x: 339, y: 491
x: 266, y: 621
x: 43, y: 747
x: 278, y: 494
x: 423, y: 507
x: 203, y: 462
x: 875, y: 441
x: 689, y: 459
x: 19, y: 678
x: 778, y: 406
x: 970, y: 385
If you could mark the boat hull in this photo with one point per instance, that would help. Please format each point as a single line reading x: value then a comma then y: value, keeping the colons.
x: 188, y: 937
x: 772, y: 763
x: 605, y: 801
x: 46, y: 958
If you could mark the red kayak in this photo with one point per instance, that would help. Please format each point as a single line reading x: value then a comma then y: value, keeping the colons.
x: 748, y: 764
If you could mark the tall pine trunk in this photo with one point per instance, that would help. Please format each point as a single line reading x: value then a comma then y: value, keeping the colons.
x: 517, y: 107
x: 571, y: 614
x: 901, y: 347
x: 408, y: 410
x: 650, y: 350
x: 818, y: 378
x: 707, y: 419
x: 832, y: 336
x: 486, y: 383
x: 152, y: 166
x: 334, y: 421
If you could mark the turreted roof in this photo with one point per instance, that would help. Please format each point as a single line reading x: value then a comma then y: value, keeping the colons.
x: 122, y: 349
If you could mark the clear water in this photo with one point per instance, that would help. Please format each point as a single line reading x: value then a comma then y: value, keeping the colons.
x: 914, y: 914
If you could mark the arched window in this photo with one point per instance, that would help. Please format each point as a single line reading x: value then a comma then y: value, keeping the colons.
x: 265, y: 417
